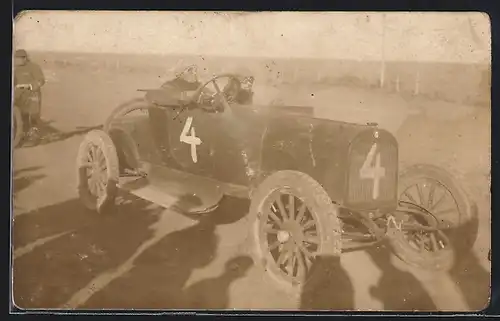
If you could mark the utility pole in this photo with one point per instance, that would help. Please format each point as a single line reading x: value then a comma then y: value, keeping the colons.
x: 382, y: 67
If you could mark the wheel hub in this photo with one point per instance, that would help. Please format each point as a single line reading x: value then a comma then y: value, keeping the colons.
x: 283, y: 236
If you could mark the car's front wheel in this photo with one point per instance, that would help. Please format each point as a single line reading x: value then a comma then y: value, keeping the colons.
x: 441, y: 202
x: 97, y: 171
x: 295, y: 221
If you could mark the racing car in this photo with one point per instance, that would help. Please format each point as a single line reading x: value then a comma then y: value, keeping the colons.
x: 316, y: 186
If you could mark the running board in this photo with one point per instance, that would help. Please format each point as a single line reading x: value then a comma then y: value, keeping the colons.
x: 169, y: 188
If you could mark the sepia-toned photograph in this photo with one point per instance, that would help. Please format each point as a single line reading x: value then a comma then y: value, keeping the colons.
x: 284, y: 161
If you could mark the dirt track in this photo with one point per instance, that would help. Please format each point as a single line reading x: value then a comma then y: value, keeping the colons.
x: 146, y: 257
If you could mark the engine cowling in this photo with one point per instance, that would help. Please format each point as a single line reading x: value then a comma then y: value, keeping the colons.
x: 372, y: 173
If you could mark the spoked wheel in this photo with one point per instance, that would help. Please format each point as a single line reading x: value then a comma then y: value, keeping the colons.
x: 430, y: 197
x: 98, y: 171
x: 17, y: 127
x: 295, y: 222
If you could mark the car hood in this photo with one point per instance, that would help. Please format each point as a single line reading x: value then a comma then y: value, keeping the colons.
x: 350, y: 105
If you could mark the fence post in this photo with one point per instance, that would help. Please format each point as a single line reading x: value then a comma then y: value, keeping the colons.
x: 382, y: 71
x: 417, y: 83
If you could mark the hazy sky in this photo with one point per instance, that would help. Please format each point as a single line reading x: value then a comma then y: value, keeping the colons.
x: 450, y: 37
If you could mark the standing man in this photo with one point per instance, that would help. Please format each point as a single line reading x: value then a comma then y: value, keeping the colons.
x: 28, y: 81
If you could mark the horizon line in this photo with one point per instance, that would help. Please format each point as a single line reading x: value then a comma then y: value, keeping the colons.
x: 248, y: 56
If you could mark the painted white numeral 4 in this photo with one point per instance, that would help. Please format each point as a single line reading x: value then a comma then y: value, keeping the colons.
x: 371, y: 169
x: 190, y: 139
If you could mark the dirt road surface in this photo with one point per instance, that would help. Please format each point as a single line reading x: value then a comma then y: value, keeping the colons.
x: 148, y: 257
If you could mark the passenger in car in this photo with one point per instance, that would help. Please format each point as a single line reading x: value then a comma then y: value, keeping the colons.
x: 184, y: 83
x: 232, y: 89
x: 245, y: 94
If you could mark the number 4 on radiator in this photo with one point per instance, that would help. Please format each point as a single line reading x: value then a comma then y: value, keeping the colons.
x: 372, y: 169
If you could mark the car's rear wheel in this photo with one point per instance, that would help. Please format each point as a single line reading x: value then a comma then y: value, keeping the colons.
x: 437, y: 195
x: 124, y: 109
x: 97, y: 171
x: 17, y: 127
x: 295, y: 221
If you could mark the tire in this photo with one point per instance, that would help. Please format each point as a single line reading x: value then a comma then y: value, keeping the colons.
x: 101, y: 144
x: 17, y: 127
x: 464, y: 227
x: 320, y: 207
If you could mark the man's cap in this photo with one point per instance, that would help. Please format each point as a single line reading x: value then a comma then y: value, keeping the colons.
x: 21, y: 53
x: 192, y: 69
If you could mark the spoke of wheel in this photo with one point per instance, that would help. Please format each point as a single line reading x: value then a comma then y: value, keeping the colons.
x: 408, y: 195
x: 304, y: 251
x: 99, y: 155
x: 438, y: 202
x: 434, y: 242
x: 93, y: 152
x: 102, y: 163
x: 291, y: 206
x: 420, y: 195
x: 293, y: 262
x: 281, y: 207
x: 89, y: 156
x: 302, y: 268
x: 103, y: 176
x: 302, y: 211
x: 431, y: 195
x: 104, y: 171
x: 283, y: 257
x: 312, y: 239
x: 273, y: 216
x: 420, y: 243
x: 270, y: 230
x: 274, y: 246
x: 308, y: 224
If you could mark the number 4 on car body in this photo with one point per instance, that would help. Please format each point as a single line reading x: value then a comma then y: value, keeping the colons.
x: 190, y: 139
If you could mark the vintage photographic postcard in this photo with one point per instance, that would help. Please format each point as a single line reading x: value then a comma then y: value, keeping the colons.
x: 251, y: 160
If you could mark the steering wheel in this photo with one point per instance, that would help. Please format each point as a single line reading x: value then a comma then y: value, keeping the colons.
x: 218, y: 96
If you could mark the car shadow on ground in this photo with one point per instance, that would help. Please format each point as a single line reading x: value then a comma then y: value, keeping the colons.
x: 88, y: 244
x: 329, y: 288
x: 160, y: 273
x: 472, y: 279
x: 469, y: 275
x: 397, y: 290
x: 49, y: 134
x: 213, y: 293
x: 22, y: 179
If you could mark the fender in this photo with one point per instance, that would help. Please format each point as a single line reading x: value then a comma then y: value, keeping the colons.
x: 136, y: 103
x: 128, y: 155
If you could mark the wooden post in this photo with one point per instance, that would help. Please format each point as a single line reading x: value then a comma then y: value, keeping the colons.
x: 417, y: 83
x: 382, y: 69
